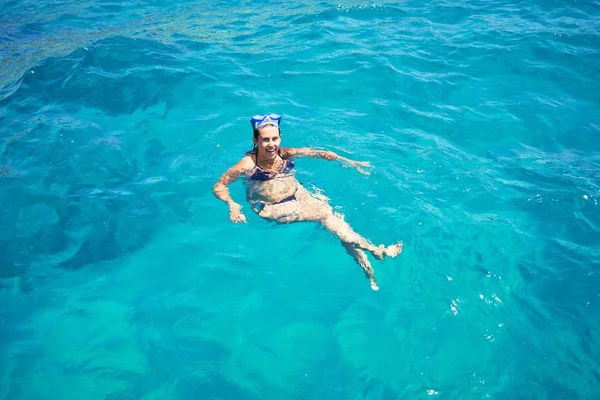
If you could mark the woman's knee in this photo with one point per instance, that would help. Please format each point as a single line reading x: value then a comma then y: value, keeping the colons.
x: 331, y: 221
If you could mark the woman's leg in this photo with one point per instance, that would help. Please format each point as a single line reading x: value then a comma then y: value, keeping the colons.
x: 344, y: 231
x: 308, y: 208
x: 361, y: 258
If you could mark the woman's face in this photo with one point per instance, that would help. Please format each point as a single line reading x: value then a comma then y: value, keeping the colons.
x: 268, y: 142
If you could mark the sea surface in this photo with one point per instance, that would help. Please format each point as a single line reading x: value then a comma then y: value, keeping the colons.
x: 121, y: 276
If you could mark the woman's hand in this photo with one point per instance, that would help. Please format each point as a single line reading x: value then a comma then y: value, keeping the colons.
x: 235, y: 213
x: 359, y: 164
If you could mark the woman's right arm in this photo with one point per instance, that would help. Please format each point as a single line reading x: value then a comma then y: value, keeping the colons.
x: 222, y: 192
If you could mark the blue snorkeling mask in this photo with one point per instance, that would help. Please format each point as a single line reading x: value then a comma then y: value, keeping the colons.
x: 260, y: 121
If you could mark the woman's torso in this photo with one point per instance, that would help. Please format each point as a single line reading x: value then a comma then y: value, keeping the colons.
x: 271, y: 186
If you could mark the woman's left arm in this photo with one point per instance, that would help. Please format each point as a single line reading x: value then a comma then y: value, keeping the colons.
x: 327, y: 155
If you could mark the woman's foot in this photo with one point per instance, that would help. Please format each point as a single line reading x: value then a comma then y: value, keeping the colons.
x: 393, y: 250
x: 374, y: 284
x: 390, y: 251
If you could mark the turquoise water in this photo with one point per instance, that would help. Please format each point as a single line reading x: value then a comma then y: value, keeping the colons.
x: 121, y: 276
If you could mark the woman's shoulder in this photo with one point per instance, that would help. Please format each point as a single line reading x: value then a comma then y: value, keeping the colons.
x: 288, y: 152
x: 246, y: 162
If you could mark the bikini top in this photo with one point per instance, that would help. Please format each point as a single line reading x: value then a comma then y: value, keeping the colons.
x: 259, y: 174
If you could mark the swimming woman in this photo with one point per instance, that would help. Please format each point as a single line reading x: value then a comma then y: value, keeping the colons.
x: 276, y: 195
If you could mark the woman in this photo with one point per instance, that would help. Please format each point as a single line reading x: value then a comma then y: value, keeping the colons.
x: 276, y: 195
